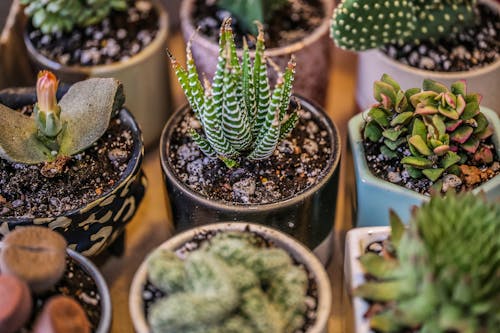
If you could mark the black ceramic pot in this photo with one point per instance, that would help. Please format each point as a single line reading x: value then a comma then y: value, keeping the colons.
x: 92, y: 228
x: 308, y: 216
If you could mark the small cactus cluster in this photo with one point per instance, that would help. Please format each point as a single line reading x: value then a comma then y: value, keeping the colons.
x: 249, y: 11
x: 442, y: 273
x: 52, y: 16
x: 359, y: 25
x: 59, y: 129
x: 238, y: 113
x: 230, y: 284
x: 432, y: 130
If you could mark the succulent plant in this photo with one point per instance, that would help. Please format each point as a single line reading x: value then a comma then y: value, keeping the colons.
x: 53, y: 16
x: 441, y: 274
x: 249, y: 11
x: 441, y: 128
x: 230, y: 284
x: 363, y: 24
x: 238, y: 112
x: 59, y: 130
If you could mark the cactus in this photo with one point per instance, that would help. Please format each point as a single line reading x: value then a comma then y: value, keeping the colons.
x: 363, y: 24
x: 59, y: 130
x: 238, y: 112
x: 441, y: 274
x: 440, y: 128
x: 249, y: 11
x: 53, y: 16
x: 229, y: 284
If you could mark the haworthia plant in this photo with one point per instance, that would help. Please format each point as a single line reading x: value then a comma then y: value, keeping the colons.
x: 53, y: 16
x: 441, y: 273
x: 364, y: 24
x: 238, y: 112
x: 437, y: 127
x: 81, y: 117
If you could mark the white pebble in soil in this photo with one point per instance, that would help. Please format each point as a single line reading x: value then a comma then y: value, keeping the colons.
x: 451, y: 181
x: 394, y: 177
x: 244, y: 189
x: 310, y: 146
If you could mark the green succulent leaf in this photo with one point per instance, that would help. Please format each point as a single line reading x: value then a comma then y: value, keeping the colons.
x: 382, y: 88
x: 372, y: 131
x: 459, y: 88
x: 433, y: 174
x: 417, y: 162
x: 461, y: 134
x: 449, y: 113
x: 434, y: 86
x: 420, y: 145
x: 470, y: 111
x: 393, y: 145
x: 379, y: 116
x: 402, y: 118
x: 379, y: 266
x: 386, y: 151
x: 397, y: 227
x: 393, y: 134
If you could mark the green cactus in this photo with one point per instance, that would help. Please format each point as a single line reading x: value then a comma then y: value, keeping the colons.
x: 59, y: 130
x: 53, y: 16
x: 359, y: 25
x: 443, y: 273
x: 238, y: 112
x: 230, y: 284
x: 441, y: 128
x: 249, y: 11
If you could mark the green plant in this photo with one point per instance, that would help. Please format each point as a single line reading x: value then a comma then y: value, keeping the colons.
x: 363, y: 24
x: 249, y: 11
x: 431, y: 131
x: 238, y: 112
x: 59, y: 130
x: 232, y: 283
x: 442, y: 273
x: 53, y: 16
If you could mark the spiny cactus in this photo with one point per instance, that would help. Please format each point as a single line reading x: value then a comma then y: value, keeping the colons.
x: 440, y: 128
x: 59, y: 130
x: 230, y: 284
x: 238, y: 112
x: 443, y: 274
x: 364, y: 24
x: 53, y: 16
x: 249, y: 11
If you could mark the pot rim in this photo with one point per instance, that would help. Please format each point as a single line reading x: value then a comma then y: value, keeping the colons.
x: 293, y: 247
x: 440, y: 75
x: 102, y: 288
x: 332, y: 165
x: 366, y: 176
x: 157, y: 43
x: 186, y: 10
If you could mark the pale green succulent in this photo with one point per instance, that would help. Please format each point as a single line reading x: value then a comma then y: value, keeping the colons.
x: 229, y: 285
x: 238, y: 112
x: 53, y: 16
x: 444, y: 274
x: 59, y: 130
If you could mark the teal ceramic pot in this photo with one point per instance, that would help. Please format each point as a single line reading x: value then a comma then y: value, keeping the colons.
x: 92, y: 228
x: 375, y: 196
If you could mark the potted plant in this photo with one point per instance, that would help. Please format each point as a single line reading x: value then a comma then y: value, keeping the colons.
x: 74, y: 165
x: 230, y: 277
x: 64, y: 294
x: 293, y: 27
x: 414, y: 40
x: 124, y: 39
x: 437, y: 275
x: 417, y: 141
x: 228, y: 156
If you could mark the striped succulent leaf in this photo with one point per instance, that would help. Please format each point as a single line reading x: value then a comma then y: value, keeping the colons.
x: 238, y: 115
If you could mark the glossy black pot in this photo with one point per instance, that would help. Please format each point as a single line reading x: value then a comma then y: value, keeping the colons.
x: 308, y: 216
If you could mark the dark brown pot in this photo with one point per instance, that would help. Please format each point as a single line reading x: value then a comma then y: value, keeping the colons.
x: 312, y: 54
x: 308, y: 216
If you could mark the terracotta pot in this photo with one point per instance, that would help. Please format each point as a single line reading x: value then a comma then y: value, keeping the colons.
x: 375, y: 196
x: 308, y: 216
x: 373, y: 63
x: 89, y: 229
x: 144, y: 76
x: 312, y: 54
x: 300, y: 253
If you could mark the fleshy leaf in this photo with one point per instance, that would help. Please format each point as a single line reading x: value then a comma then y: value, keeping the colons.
x: 393, y: 134
x: 461, y: 134
x: 402, y: 118
x: 471, y: 145
x: 379, y: 116
x: 449, y: 113
x: 420, y: 145
x: 397, y: 228
x: 434, y: 86
x: 372, y: 131
x: 459, y: 88
x: 417, y: 162
x: 450, y: 159
x: 433, y: 174
x: 386, y: 89
x: 470, y: 111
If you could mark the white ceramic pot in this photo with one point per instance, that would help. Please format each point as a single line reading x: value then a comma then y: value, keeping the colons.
x: 299, y: 252
x: 373, y: 63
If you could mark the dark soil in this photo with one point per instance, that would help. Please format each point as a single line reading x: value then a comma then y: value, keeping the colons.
x: 75, y: 283
x: 473, y: 47
x: 298, y: 163
x: 25, y: 192
x: 289, y: 24
x: 117, y: 38
x: 151, y: 294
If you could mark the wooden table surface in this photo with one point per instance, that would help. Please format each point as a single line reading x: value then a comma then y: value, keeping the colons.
x: 151, y: 225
